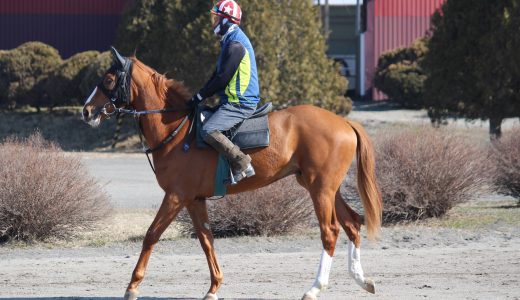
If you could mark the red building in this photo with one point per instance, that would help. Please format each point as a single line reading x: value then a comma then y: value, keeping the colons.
x: 71, y: 26
x: 391, y: 24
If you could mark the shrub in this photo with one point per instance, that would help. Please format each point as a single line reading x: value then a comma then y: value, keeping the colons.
x: 93, y: 73
x: 63, y: 85
x: 507, y: 158
x: 24, y: 71
x: 45, y: 192
x: 342, y: 106
x: 399, y: 75
x: 283, y: 207
x: 424, y: 172
x: 4, y: 83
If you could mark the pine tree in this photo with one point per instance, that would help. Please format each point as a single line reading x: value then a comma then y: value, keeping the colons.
x: 175, y: 37
x: 473, y: 63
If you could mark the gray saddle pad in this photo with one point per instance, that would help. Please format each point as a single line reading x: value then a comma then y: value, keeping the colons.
x: 252, y: 133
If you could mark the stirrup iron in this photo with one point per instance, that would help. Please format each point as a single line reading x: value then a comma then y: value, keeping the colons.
x: 248, y: 172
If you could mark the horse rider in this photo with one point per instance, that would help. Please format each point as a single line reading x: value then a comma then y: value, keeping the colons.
x: 235, y: 81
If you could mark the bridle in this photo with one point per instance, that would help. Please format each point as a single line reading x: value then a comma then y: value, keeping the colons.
x: 120, y: 98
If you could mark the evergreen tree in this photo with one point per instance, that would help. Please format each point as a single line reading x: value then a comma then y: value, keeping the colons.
x: 94, y: 70
x: 24, y: 72
x: 473, y: 62
x: 175, y: 37
x: 400, y: 76
x: 63, y: 84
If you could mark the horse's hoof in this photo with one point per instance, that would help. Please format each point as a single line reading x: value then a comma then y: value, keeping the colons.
x: 210, y: 296
x: 370, y: 286
x: 309, y: 296
x: 131, y: 295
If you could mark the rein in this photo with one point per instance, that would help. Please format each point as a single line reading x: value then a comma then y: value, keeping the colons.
x: 110, y: 109
x: 169, y: 138
x: 123, y: 111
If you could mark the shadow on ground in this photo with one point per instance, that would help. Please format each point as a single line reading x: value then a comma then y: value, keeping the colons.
x: 375, y: 106
x: 504, y: 207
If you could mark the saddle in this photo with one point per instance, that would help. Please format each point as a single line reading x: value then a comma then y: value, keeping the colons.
x: 251, y: 133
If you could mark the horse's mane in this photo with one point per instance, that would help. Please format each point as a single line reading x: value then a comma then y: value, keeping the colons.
x: 172, y: 91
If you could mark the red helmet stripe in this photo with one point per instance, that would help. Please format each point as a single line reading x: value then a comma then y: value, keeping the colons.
x: 223, y: 4
x: 228, y: 9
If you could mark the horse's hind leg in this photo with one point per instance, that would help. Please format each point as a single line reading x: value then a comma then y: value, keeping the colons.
x: 351, y: 223
x: 199, y: 216
x: 169, y: 209
x: 323, y: 199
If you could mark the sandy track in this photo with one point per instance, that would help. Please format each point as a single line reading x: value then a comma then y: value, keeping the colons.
x: 460, y: 265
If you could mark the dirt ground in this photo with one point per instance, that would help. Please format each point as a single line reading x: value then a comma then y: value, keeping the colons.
x: 472, y: 254
x: 410, y: 262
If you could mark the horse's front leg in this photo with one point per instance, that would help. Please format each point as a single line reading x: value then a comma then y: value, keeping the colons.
x: 199, y: 215
x: 169, y: 209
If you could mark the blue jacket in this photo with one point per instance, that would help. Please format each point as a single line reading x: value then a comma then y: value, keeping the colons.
x: 235, y: 79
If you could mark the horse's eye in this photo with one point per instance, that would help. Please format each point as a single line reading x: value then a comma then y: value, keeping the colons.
x: 108, y: 82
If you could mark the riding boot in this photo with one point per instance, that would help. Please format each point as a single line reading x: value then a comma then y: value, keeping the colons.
x: 240, y: 162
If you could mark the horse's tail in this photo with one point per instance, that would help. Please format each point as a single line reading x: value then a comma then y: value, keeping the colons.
x: 366, y: 181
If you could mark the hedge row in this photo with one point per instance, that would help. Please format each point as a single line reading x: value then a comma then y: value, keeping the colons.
x: 34, y: 74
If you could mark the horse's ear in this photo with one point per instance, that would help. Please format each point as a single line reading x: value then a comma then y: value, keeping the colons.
x: 117, y: 57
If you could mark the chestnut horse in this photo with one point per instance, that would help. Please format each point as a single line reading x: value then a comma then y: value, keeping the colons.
x: 311, y: 143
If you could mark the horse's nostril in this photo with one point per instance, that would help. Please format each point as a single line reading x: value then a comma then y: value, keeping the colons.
x: 85, y: 114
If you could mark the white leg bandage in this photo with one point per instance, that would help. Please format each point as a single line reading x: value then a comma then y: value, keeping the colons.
x: 210, y: 296
x: 322, y: 278
x: 354, y: 264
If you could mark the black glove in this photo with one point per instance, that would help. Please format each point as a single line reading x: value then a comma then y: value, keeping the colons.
x: 194, y: 101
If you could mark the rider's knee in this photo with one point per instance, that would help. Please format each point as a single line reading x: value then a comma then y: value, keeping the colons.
x: 205, y: 133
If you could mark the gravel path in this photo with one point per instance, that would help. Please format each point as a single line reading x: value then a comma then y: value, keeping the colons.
x: 127, y: 178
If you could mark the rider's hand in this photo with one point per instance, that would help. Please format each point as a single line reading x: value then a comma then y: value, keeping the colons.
x: 195, y: 100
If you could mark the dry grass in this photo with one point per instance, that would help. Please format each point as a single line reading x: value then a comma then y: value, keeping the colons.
x: 122, y: 226
x: 476, y: 215
x: 45, y: 193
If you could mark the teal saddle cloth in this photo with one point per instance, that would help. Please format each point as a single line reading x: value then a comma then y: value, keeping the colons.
x: 251, y: 133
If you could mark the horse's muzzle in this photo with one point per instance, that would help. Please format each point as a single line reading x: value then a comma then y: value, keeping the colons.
x: 92, y: 117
